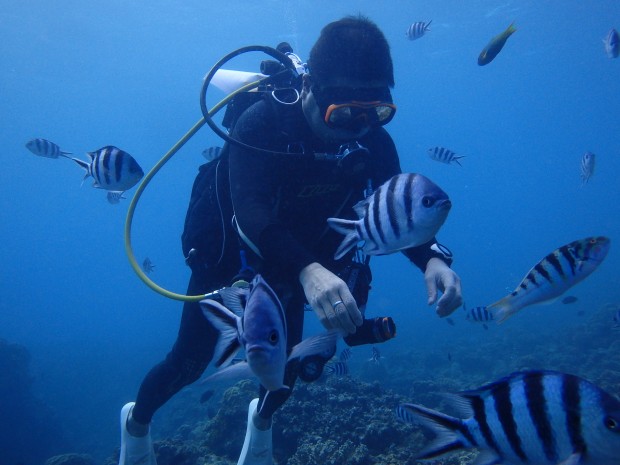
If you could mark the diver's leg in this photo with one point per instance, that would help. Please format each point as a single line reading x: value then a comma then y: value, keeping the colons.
x: 185, y: 363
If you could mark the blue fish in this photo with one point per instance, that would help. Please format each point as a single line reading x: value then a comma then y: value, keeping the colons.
x: 553, y: 275
x: 253, y: 318
x: 531, y: 418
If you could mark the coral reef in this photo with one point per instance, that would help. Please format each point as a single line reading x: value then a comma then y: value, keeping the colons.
x: 70, y: 459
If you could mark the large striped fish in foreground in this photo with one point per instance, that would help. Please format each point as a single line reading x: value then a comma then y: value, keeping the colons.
x: 553, y: 275
x: 530, y: 417
x: 405, y: 211
x: 112, y: 168
x: 253, y: 318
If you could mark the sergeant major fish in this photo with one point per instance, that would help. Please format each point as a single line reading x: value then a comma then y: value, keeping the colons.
x: 553, y: 275
x: 444, y: 155
x: 405, y: 211
x: 611, y: 44
x: 260, y: 328
x: 46, y: 148
x: 587, y: 167
x: 417, y: 29
x: 495, y: 46
x: 478, y: 315
x: 112, y: 168
x: 531, y: 417
x: 114, y: 197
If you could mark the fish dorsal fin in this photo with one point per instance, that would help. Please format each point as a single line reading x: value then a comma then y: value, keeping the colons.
x: 360, y: 208
x: 227, y: 323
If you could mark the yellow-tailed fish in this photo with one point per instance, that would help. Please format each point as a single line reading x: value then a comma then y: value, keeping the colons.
x: 495, y: 46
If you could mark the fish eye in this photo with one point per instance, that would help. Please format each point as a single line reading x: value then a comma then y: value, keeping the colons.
x: 273, y: 337
x: 611, y: 423
x: 428, y: 201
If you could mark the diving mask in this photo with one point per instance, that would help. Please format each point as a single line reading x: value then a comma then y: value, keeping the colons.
x: 347, y: 108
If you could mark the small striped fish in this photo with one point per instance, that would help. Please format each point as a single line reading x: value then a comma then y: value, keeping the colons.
x: 112, y: 168
x: 553, y: 275
x: 46, y: 148
x: 587, y: 167
x: 478, y: 314
x: 345, y: 355
x: 115, y: 197
x: 212, y: 153
x: 376, y: 355
x: 405, y: 211
x: 444, y: 155
x: 531, y: 417
x: 417, y: 29
x: 611, y: 41
x: 148, y: 266
x: 339, y: 368
x: 404, y: 414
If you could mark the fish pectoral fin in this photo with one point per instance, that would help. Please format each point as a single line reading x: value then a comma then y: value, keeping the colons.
x: 487, y: 457
x: 235, y: 372
x: 574, y: 459
x: 317, y: 344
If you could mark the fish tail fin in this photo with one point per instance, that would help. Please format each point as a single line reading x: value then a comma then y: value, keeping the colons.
x: 447, y: 429
x: 351, y: 237
x: 502, y: 309
x: 511, y: 29
x: 226, y: 323
x: 65, y: 154
x: 427, y: 28
x: 456, y: 159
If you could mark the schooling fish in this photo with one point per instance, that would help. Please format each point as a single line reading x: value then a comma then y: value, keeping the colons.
x: 478, y: 315
x: 417, y: 29
x: 115, y: 197
x: 46, y: 148
x: 611, y: 44
x: 587, y: 167
x: 444, y: 155
x: 530, y: 417
x: 553, y: 275
x: 495, y: 46
x: 259, y: 327
x: 405, y: 211
x: 112, y: 168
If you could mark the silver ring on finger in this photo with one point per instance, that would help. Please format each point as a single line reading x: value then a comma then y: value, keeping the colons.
x: 338, y: 302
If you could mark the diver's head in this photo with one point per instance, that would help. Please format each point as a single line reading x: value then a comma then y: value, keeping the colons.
x: 347, y: 90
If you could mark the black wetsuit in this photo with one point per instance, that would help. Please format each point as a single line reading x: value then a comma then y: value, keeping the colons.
x: 281, y: 203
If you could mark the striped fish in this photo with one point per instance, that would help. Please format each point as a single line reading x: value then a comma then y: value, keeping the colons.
x: 339, y: 368
x: 112, y: 168
x: 530, y: 417
x: 148, y: 266
x: 345, y: 355
x: 478, y: 314
x: 610, y: 41
x: 405, y: 211
x: 553, y: 275
x: 376, y: 355
x: 405, y: 415
x: 444, y: 155
x: 212, y: 153
x: 115, y: 197
x: 417, y: 29
x: 588, y: 161
x: 46, y: 148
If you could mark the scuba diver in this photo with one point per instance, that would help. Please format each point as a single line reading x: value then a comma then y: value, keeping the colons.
x: 262, y: 208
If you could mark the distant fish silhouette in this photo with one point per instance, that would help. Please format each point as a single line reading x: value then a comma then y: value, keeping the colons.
x: 148, y: 266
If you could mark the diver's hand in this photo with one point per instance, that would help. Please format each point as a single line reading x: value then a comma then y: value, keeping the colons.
x: 438, y: 275
x: 330, y: 299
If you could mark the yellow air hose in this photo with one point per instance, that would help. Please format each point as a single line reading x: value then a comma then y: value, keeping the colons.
x: 134, y: 201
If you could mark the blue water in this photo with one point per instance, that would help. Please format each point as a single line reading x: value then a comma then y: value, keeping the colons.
x: 89, y: 74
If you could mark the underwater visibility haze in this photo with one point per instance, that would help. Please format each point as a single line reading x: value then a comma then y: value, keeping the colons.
x: 506, y: 142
